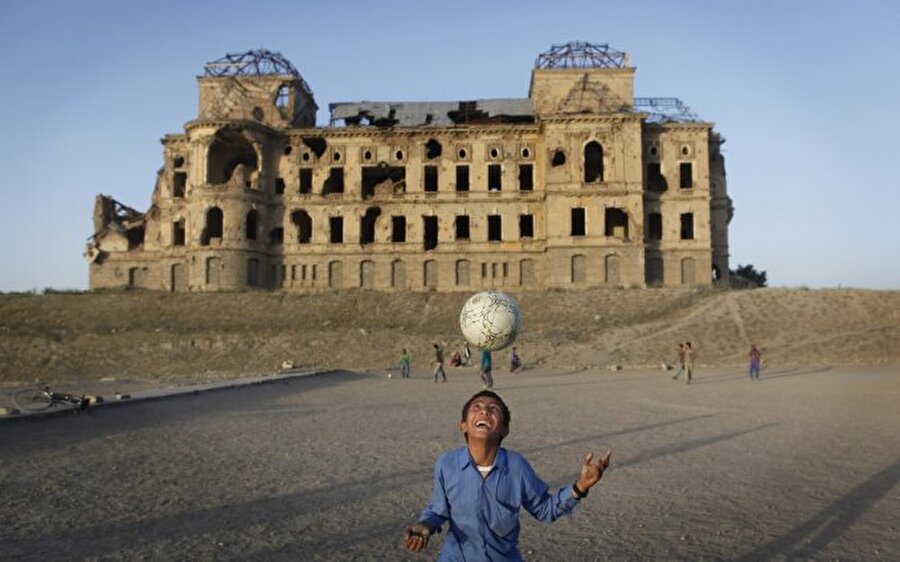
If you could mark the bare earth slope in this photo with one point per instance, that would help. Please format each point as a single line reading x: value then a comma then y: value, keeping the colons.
x: 191, y: 337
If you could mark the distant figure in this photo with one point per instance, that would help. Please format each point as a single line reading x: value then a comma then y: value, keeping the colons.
x: 404, y: 364
x: 514, y: 361
x: 455, y: 359
x: 439, y: 363
x: 680, y: 362
x: 486, y: 368
x: 467, y: 355
x: 688, y: 362
x: 755, y: 360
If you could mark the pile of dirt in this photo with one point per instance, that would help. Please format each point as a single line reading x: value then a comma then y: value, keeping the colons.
x: 196, y: 337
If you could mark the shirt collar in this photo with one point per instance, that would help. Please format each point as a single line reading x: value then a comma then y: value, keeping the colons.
x: 465, y: 459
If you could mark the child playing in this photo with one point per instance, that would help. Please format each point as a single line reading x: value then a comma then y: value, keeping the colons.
x: 479, y: 489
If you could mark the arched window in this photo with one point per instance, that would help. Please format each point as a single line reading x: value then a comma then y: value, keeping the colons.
x: 213, y: 227
x: 593, y: 162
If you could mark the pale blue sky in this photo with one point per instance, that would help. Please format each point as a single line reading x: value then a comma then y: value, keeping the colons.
x: 803, y: 91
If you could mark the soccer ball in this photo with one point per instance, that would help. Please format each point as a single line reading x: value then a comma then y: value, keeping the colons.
x: 490, y: 320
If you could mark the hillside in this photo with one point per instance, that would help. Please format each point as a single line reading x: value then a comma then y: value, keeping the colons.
x: 189, y: 337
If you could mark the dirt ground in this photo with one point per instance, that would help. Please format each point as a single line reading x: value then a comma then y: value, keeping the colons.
x: 188, y: 338
x: 802, y: 464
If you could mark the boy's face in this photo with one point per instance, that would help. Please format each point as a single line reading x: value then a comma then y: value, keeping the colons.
x: 484, y: 420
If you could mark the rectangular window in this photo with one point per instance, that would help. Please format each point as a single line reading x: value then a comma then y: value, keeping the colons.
x: 526, y: 177
x: 431, y: 178
x: 462, y: 227
x: 180, y: 183
x: 578, y: 221
x: 495, y: 228
x: 178, y: 233
x: 398, y: 229
x: 495, y: 177
x: 306, y: 180
x: 279, y: 186
x: 336, y: 225
x: 687, y: 175
x: 335, y: 182
x: 655, y: 179
x: 687, y: 226
x: 654, y: 226
x: 431, y: 232
x: 526, y: 226
x: 462, y: 177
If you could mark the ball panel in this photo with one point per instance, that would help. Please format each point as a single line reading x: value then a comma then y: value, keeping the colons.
x: 490, y: 320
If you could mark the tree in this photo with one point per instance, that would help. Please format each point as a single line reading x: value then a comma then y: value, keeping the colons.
x: 747, y: 277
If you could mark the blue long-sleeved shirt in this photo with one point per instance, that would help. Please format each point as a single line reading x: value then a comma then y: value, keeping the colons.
x: 484, y: 513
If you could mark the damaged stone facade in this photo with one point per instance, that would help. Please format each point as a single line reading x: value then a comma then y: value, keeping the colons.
x: 579, y: 185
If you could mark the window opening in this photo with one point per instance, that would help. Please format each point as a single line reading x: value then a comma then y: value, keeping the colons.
x: 616, y: 223
x: 178, y: 233
x: 495, y: 177
x: 462, y: 178
x: 495, y: 228
x: 526, y: 177
x: 335, y: 182
x: 306, y: 180
x: 431, y: 178
x: 578, y: 227
x: 687, y: 226
x: 283, y: 96
x: 526, y: 226
x: 431, y: 232
x: 250, y: 225
x: 336, y: 228
x: 303, y: 222
x: 213, y: 228
x: 367, y: 225
x: 179, y: 184
x: 398, y: 229
x: 462, y: 227
x: 593, y: 162
x: 383, y: 180
x: 686, y: 173
x: 655, y: 180
x: 279, y: 186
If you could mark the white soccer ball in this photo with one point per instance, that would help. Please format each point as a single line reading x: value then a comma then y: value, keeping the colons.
x: 490, y: 320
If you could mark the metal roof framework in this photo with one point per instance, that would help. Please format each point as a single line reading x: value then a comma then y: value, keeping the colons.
x: 665, y: 110
x: 258, y: 62
x: 580, y: 54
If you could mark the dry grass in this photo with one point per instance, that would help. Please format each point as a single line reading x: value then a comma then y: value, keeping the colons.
x: 189, y: 337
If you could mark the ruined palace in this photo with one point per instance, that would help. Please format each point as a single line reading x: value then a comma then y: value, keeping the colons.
x: 581, y: 184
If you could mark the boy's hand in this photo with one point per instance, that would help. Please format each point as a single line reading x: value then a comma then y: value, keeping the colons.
x: 592, y: 472
x: 415, y: 536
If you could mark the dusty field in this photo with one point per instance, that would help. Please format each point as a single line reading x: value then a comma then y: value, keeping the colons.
x: 800, y: 465
x: 192, y: 337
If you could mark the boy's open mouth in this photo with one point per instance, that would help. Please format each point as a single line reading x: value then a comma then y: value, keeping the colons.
x: 482, y: 424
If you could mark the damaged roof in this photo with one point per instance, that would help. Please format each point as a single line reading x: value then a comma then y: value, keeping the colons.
x: 436, y: 113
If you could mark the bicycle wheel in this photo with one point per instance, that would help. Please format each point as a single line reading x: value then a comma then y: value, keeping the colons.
x: 32, y: 399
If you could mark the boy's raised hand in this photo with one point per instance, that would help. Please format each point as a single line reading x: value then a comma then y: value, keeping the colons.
x: 592, y: 472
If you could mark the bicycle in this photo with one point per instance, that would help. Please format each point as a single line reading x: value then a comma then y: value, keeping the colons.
x: 42, y: 398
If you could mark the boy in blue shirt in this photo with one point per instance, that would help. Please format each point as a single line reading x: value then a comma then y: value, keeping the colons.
x: 480, y: 488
